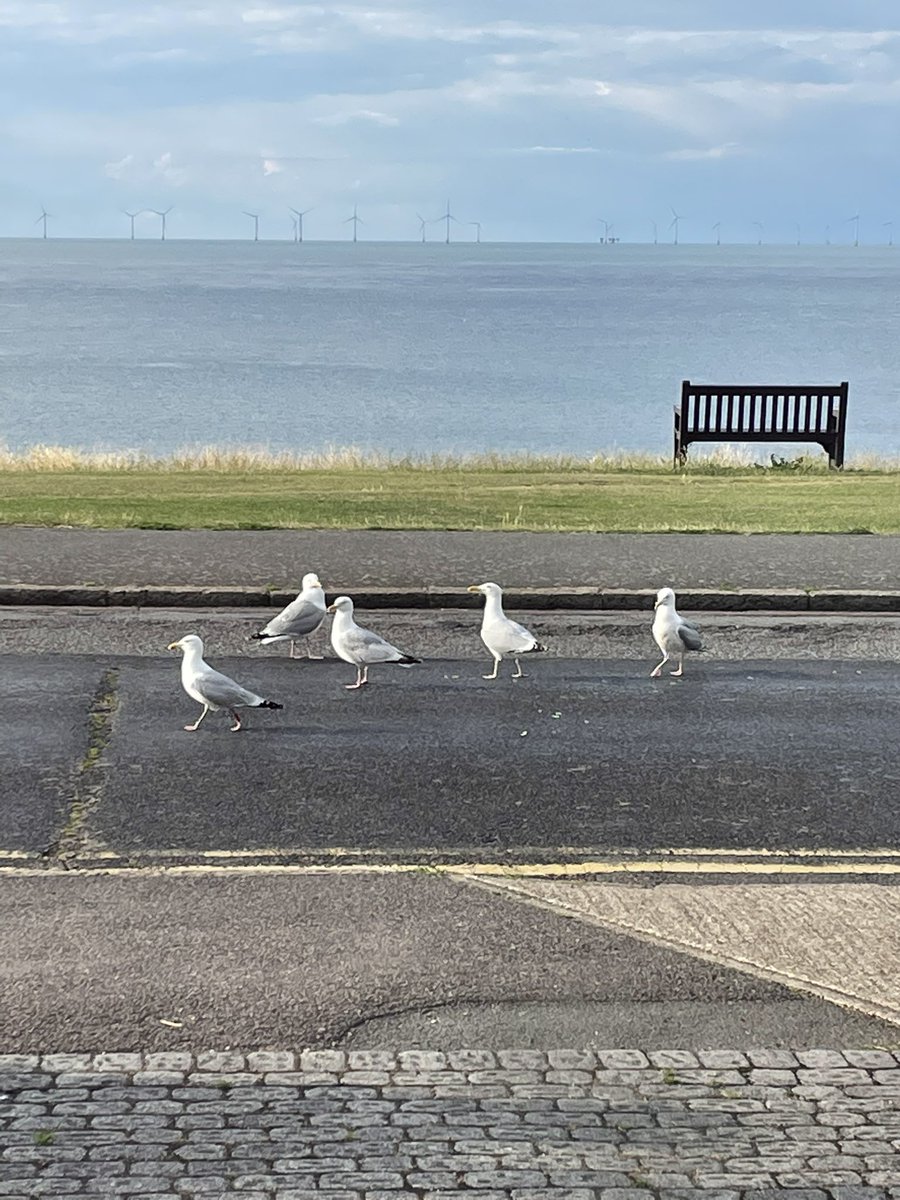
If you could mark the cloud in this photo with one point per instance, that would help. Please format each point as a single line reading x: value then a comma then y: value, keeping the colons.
x: 119, y: 169
x: 413, y: 98
x: 697, y: 154
x: 359, y: 114
x: 557, y: 150
x: 164, y: 167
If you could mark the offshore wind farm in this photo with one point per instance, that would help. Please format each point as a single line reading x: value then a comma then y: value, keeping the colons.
x: 450, y: 227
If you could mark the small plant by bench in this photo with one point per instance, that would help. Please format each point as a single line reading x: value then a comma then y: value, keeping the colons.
x: 741, y: 413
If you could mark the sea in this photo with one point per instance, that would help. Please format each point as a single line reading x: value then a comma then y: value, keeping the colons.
x: 411, y: 348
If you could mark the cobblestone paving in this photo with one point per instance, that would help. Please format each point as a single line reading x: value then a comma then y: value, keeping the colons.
x: 567, y: 1124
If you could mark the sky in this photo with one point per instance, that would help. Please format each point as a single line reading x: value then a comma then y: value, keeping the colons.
x: 540, y: 119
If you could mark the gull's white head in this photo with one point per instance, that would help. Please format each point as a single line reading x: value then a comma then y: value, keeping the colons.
x: 342, y: 604
x: 486, y: 589
x: 310, y: 581
x: 665, y: 598
x: 190, y: 641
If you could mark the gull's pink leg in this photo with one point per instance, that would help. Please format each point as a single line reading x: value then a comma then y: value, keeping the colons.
x: 359, y: 681
x: 191, y: 728
x: 237, y: 720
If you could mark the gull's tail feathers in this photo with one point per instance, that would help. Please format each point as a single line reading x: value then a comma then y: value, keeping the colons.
x: 407, y: 660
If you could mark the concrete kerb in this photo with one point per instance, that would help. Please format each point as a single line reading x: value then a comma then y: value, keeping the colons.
x: 577, y: 599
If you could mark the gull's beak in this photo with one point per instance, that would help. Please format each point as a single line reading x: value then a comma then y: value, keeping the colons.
x: 331, y: 608
x: 174, y: 646
x: 655, y: 604
x: 476, y: 587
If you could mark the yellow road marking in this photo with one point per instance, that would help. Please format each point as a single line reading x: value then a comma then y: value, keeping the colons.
x: 620, y: 858
x: 246, y: 862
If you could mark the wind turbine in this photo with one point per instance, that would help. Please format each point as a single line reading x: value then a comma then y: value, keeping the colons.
x: 759, y: 225
x: 162, y: 216
x: 797, y: 227
x: 675, y: 220
x: 294, y: 228
x: 43, y: 218
x: 422, y: 225
x: 477, y: 225
x: 448, y: 217
x: 655, y: 234
x: 606, y: 228
x: 827, y: 235
x: 299, y: 215
x: 356, y: 220
x: 254, y: 217
x: 131, y: 216
x: 889, y: 226
x: 717, y: 231
x: 854, y: 221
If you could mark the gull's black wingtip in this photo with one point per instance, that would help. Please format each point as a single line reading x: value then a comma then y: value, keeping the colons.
x: 269, y: 704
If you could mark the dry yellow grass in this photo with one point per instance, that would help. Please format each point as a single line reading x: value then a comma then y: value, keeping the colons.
x: 244, y: 460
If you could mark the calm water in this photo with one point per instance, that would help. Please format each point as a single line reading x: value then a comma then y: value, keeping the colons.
x: 411, y: 347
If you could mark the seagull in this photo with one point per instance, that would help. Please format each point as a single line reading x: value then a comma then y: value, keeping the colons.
x: 499, y: 633
x: 302, y: 616
x: 672, y: 633
x: 359, y: 646
x: 211, y: 688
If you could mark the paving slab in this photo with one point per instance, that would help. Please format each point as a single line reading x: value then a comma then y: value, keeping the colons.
x: 43, y: 739
x: 352, y: 559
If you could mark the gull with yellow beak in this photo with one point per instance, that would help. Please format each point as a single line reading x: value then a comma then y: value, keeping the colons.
x: 500, y: 634
x: 211, y: 688
x: 301, y: 618
x: 672, y: 633
x: 359, y: 646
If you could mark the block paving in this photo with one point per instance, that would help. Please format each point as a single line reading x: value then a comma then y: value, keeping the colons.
x: 532, y: 1125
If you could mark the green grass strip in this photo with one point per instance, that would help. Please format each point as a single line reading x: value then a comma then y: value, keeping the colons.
x: 744, y: 500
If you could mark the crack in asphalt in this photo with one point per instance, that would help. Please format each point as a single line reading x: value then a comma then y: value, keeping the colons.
x: 76, y: 840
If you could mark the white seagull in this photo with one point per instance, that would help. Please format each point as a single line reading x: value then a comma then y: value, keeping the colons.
x: 211, y: 688
x: 672, y: 633
x: 301, y: 617
x: 359, y: 646
x: 499, y: 633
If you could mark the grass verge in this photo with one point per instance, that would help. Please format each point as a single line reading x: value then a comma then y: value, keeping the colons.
x: 578, y: 498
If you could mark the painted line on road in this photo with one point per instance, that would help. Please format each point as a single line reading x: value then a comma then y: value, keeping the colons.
x: 246, y: 862
x: 662, y: 853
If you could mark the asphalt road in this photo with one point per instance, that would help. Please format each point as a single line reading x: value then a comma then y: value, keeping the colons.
x: 425, y: 765
x: 381, y: 558
x: 155, y: 962
x: 434, y: 762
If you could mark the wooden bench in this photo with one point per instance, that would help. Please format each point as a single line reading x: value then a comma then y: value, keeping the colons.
x: 716, y: 413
